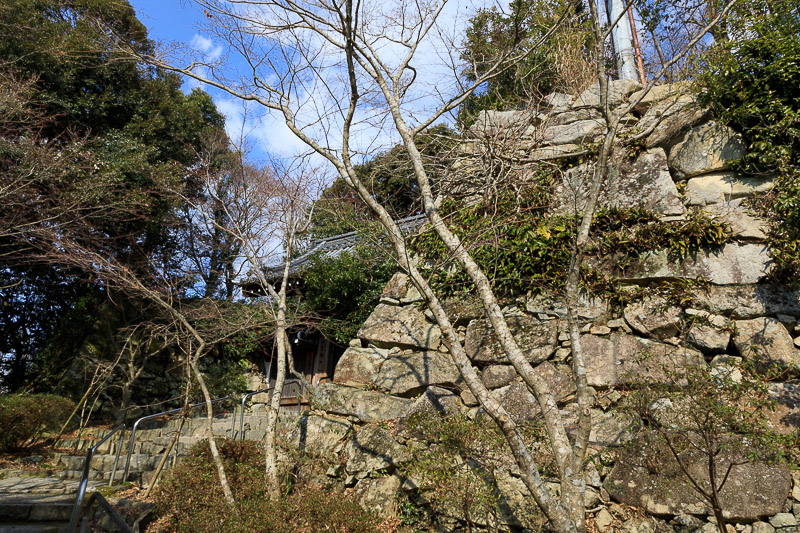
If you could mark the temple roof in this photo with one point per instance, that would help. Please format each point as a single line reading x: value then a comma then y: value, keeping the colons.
x: 330, y: 247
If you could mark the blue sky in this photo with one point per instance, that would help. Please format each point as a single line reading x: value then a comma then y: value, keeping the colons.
x: 167, y: 20
x: 180, y: 20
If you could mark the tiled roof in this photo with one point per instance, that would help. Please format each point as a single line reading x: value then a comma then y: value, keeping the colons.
x: 333, y: 247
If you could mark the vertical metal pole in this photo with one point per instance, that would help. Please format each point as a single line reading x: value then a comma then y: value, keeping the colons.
x: 73, y: 520
x: 623, y: 40
x: 116, y: 459
x: 241, y: 417
x: 130, y: 451
x: 636, y: 47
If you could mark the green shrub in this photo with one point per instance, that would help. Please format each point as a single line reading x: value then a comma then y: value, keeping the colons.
x: 521, y: 249
x: 345, y: 289
x: 190, y: 499
x: 456, y: 472
x: 25, y: 417
x: 751, y: 83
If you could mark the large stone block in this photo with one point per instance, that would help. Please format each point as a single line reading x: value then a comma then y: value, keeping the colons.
x: 558, y: 102
x: 580, y: 132
x: 785, y: 418
x: 575, y: 115
x: 367, y: 406
x: 359, y: 366
x: 647, y: 476
x: 705, y: 148
x: 612, y: 428
x: 708, y: 339
x: 409, y: 373
x: 590, y: 307
x: 396, y: 288
x: 371, y: 449
x: 750, y: 301
x: 669, y: 118
x: 733, y: 264
x: 405, y: 326
x: 320, y: 435
x: 658, y: 93
x: 522, y: 405
x: 492, y: 122
x: 743, y: 225
x: 555, y: 151
x: 378, y: 495
x: 653, y: 317
x: 643, y: 183
x: 537, y: 339
x: 618, y: 93
x: 723, y: 187
x: 434, y: 401
x: 627, y: 360
x: 400, y: 373
x: 766, y: 341
x: 496, y: 376
x: 462, y: 309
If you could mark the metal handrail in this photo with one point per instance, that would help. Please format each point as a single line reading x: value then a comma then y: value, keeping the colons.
x: 165, y: 413
x: 114, y: 515
x: 73, y: 520
x: 116, y: 459
x: 249, y: 394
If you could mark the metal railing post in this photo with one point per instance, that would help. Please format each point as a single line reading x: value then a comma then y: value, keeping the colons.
x: 116, y: 459
x: 150, y: 417
x: 87, y: 464
x: 247, y: 396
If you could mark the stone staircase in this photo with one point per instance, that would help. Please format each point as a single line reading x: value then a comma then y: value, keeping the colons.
x: 43, y: 504
x: 152, y: 439
x: 35, y: 504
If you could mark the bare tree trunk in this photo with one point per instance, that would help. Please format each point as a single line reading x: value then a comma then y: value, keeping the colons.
x: 212, y: 442
x: 270, y: 438
x: 347, y: 34
x: 176, y: 437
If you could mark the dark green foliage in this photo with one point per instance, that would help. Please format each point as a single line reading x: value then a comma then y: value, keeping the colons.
x: 190, y: 499
x: 344, y: 290
x: 25, y: 417
x: 752, y: 84
x: 390, y: 178
x: 511, y: 239
x: 521, y: 249
x: 34, y: 302
x: 94, y: 144
x: 629, y: 233
x: 493, y: 34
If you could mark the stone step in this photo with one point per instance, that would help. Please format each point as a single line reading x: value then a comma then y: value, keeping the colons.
x: 25, y: 507
x: 104, y: 463
x: 34, y: 527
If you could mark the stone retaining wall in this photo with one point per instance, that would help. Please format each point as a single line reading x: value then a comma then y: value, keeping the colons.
x: 399, y: 366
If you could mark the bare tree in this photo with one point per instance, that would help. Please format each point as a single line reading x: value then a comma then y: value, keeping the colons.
x: 332, y: 70
x: 267, y: 212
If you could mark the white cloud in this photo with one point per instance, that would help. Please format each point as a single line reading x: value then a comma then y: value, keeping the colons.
x: 319, y: 103
x: 205, y: 45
